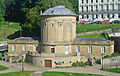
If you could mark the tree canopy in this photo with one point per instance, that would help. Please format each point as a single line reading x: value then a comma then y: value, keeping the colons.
x: 2, y: 10
x: 26, y: 11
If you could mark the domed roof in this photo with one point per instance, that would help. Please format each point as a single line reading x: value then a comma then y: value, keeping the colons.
x: 58, y: 10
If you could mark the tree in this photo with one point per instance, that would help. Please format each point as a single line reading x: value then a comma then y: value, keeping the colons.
x: 75, y: 5
x: 32, y: 23
x: 2, y: 10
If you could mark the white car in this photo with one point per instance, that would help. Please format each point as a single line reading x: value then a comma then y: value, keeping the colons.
x: 1, y: 44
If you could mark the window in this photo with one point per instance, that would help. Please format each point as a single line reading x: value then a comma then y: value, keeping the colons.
x: 82, y: 9
x: 96, y: 8
x: 108, y: 15
x: 101, y: 7
x: 52, y: 49
x: 119, y: 15
x: 82, y: 1
x: 113, y: 0
x: 87, y: 8
x: 66, y: 50
x: 107, y: 7
x: 24, y: 48
x: 102, y: 16
x: 90, y: 49
x: 77, y: 49
x: 113, y: 15
x: 92, y: 8
x: 91, y: 1
x: 102, y: 50
x: 82, y: 16
x: 13, y: 47
x: 87, y: 16
x: 112, y: 7
x: 101, y: 0
x: 96, y: 16
x: 86, y: 1
x: 107, y: 0
x: 96, y: 1
x: 34, y: 48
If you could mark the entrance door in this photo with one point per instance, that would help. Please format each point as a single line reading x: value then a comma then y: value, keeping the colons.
x: 48, y: 63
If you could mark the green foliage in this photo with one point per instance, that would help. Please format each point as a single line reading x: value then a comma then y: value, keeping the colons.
x: 22, y: 73
x: 1, y: 55
x: 78, y: 64
x: 8, y: 29
x: 75, y: 5
x: 32, y: 23
x: 116, y: 70
x: 94, y: 27
x: 3, y: 68
x: 94, y: 36
x: 112, y: 55
x: 2, y: 10
x: 66, y: 74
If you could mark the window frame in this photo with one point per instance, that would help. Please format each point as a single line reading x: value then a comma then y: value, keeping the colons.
x: 77, y: 48
x: 34, y: 48
x: 13, y: 48
x: 90, y: 49
x: 102, y: 49
x: 52, y: 49
x: 23, y: 47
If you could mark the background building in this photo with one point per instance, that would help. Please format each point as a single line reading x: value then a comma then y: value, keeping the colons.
x: 99, y: 10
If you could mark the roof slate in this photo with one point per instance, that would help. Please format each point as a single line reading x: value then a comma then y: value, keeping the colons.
x: 58, y: 10
x: 90, y: 39
x: 27, y: 38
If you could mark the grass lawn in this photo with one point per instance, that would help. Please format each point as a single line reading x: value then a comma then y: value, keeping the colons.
x: 93, y: 36
x: 66, y: 74
x: 94, y: 27
x: 7, y: 29
x: 22, y: 73
x: 3, y: 68
x: 116, y: 70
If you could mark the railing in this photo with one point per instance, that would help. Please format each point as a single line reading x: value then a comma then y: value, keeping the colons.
x: 99, y: 12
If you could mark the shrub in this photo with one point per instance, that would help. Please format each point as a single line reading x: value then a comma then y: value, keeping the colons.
x: 112, y: 55
x: 78, y: 64
x: 74, y: 64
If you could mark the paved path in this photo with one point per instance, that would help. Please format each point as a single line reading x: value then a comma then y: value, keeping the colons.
x: 13, y: 67
x: 87, y: 69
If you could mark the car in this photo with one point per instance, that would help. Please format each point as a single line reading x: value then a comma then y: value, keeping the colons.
x: 115, y: 22
x: 88, y: 22
x: 105, y: 22
x: 97, y: 22
x: 80, y: 22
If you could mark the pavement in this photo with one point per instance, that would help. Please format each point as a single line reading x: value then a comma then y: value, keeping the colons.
x: 14, y: 67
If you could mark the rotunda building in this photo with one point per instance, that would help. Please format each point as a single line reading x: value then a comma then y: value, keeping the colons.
x: 58, y: 24
x: 58, y: 30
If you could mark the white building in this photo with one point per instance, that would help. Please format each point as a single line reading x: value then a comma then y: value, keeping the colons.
x: 99, y: 10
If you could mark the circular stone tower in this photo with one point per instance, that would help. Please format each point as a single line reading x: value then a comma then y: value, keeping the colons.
x: 58, y: 24
x: 58, y: 30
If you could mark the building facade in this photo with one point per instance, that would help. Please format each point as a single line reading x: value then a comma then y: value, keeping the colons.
x: 58, y: 45
x: 92, y: 10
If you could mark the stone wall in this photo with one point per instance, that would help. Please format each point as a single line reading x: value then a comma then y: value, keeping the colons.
x: 111, y: 62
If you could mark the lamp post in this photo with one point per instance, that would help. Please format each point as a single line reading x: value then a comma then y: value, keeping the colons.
x: 102, y: 61
x: 22, y: 69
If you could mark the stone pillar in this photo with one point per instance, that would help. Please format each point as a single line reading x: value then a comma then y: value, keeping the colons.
x: 10, y: 60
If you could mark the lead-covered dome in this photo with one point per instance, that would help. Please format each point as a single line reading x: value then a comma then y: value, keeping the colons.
x: 58, y: 10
